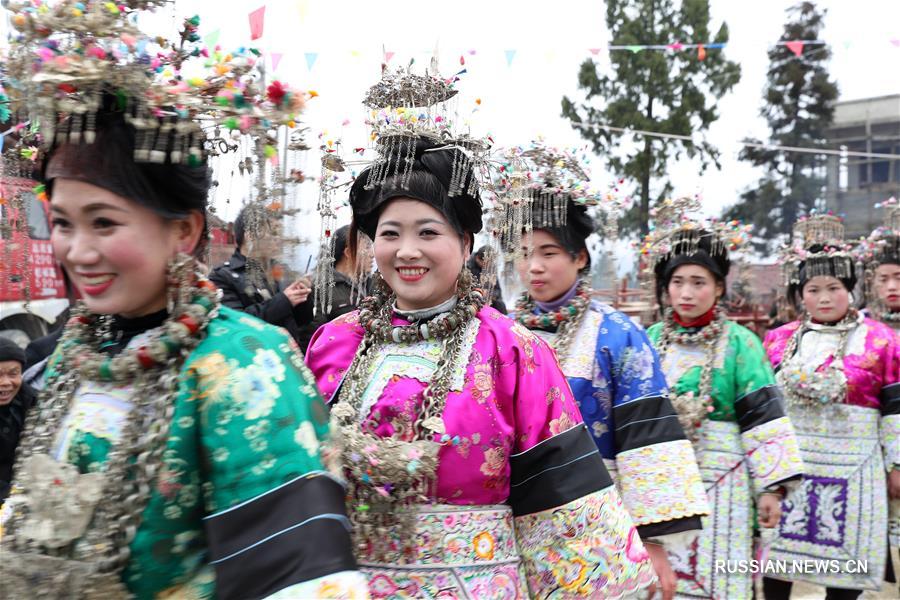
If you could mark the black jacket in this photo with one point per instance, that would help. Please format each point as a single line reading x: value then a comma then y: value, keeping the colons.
x: 264, y: 302
x: 12, y: 420
x: 42, y: 347
x: 340, y: 305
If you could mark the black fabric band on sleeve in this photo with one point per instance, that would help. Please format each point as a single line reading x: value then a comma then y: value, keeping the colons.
x: 890, y: 399
x: 758, y: 407
x: 292, y: 534
x: 652, y: 530
x: 650, y: 420
x: 557, y: 471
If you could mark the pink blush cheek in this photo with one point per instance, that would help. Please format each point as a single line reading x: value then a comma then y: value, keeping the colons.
x: 131, y: 255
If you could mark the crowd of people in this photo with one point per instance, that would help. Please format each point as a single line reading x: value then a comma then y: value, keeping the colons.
x: 200, y: 433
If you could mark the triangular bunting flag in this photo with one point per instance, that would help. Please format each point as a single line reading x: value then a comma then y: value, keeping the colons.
x: 594, y: 51
x: 212, y: 39
x: 510, y: 54
x: 701, y: 52
x: 795, y: 47
x: 311, y: 59
x: 896, y: 42
x: 388, y: 56
x: 635, y: 49
x: 276, y: 58
x: 676, y: 46
x: 257, y: 21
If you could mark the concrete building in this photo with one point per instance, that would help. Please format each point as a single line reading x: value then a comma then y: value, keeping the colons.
x: 854, y: 185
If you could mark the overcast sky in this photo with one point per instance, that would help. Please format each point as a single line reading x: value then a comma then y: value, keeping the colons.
x: 521, y: 100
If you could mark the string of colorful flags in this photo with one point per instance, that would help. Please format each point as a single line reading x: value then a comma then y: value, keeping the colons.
x: 257, y: 26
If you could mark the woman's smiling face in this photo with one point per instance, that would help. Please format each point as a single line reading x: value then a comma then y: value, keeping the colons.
x: 418, y: 253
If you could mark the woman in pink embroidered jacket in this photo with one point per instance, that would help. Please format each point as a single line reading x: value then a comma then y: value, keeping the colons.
x: 470, y: 472
x: 840, y: 372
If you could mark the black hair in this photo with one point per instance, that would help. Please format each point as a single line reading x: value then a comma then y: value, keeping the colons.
x: 240, y: 227
x: 692, y: 248
x: 832, y: 268
x: 341, y: 236
x: 572, y: 236
x: 172, y: 190
x: 431, y: 171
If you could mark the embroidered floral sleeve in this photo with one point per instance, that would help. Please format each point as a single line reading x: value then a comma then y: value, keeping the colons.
x: 275, y: 518
x: 776, y: 340
x: 544, y: 403
x: 575, y: 536
x: 657, y: 472
x: 768, y: 438
x: 331, y: 351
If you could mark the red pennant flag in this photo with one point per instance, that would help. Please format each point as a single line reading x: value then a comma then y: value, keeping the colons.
x: 701, y: 52
x: 795, y: 47
x: 257, y: 19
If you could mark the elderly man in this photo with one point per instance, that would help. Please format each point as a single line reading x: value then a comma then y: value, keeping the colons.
x: 15, y: 400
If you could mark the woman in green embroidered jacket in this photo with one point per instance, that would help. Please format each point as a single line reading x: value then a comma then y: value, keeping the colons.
x: 175, y: 451
x: 725, y: 394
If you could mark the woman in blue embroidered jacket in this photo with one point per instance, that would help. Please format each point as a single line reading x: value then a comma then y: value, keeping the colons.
x: 615, y: 376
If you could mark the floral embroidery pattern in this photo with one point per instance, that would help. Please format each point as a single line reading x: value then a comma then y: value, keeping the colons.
x: 484, y: 545
x: 670, y: 490
x: 255, y: 391
x: 242, y: 424
x: 553, y: 395
x: 563, y: 423
x: 526, y: 340
x: 460, y: 540
x: 306, y: 438
x: 494, y: 462
x: 580, y: 544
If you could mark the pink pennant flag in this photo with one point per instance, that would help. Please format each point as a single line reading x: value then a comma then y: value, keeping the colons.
x: 257, y: 19
x: 795, y: 47
x: 594, y: 51
x: 276, y: 58
x: 675, y: 46
x: 896, y: 42
x: 388, y: 56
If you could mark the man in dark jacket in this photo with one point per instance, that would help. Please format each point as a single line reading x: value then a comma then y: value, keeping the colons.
x: 344, y: 299
x: 16, y: 399
x: 245, y: 287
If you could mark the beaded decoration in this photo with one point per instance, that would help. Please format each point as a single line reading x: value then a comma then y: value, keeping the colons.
x: 93, y: 556
x: 567, y: 318
x: 693, y: 408
x: 387, y: 476
x: 810, y: 388
x: 834, y: 259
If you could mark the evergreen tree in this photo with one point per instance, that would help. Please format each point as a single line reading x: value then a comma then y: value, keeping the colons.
x: 672, y: 92
x: 798, y: 105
